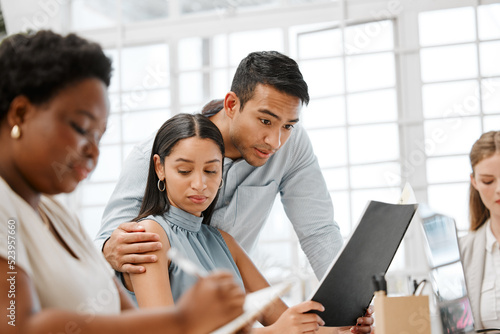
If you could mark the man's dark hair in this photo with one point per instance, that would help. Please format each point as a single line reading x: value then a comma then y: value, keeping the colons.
x: 39, y: 65
x: 268, y: 68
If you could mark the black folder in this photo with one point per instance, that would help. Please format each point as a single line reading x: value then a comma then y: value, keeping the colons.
x: 347, y: 288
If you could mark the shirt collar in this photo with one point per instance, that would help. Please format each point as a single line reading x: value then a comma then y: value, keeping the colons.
x: 183, y: 219
x: 491, y: 241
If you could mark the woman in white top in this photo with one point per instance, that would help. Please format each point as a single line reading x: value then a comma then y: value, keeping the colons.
x: 53, y: 112
x: 481, y: 247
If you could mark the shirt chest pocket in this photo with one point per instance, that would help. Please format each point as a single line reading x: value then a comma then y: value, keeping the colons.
x: 251, y: 198
x: 488, y: 301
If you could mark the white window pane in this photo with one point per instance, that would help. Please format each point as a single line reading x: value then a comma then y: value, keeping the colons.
x: 490, y: 58
x: 274, y: 260
x: 112, y: 134
x: 336, y: 178
x: 369, y: 37
x: 242, y: 43
x: 220, y: 7
x: 373, y: 143
x: 140, y: 125
x: 491, y: 123
x: 93, y: 14
x: 451, y: 200
x: 190, y: 109
x: 376, y: 175
x: 190, y: 53
x: 448, y: 169
x: 145, y: 99
x: 219, y: 50
x: 451, y: 135
x: 108, y: 165
x: 191, y: 88
x: 447, y: 26
x: 115, y: 75
x: 378, y: 106
x: 330, y: 146
x: 370, y: 72
x: 451, y: 99
x: 277, y: 225
x: 308, y: 1
x: 91, y: 219
x: 360, y: 199
x: 220, y: 84
x: 95, y: 194
x: 323, y: 77
x: 397, y: 265
x: 490, y: 89
x: 330, y: 41
x: 137, y: 11
x: 232, y: 71
x: 145, y: 67
x: 114, y: 102
x: 449, y: 63
x: 341, y: 212
x: 323, y: 113
x: 488, y: 21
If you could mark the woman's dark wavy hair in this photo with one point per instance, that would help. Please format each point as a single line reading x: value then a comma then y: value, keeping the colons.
x: 39, y: 65
x: 179, y: 127
x: 268, y: 68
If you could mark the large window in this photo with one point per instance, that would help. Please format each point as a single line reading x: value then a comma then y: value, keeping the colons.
x: 460, y: 95
x: 352, y: 118
x: 396, y: 96
x: 140, y: 103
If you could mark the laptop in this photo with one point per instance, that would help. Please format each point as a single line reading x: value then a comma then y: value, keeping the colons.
x: 447, y: 274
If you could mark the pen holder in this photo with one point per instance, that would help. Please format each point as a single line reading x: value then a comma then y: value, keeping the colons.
x: 402, y: 315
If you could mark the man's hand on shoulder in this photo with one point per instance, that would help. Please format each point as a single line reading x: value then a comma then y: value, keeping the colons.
x: 127, y: 247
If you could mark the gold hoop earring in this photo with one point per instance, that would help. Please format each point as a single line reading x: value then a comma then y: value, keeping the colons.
x: 221, y: 183
x: 15, y: 133
x: 160, y: 182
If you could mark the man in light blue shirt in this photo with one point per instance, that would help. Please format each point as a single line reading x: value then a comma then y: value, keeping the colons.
x: 267, y: 153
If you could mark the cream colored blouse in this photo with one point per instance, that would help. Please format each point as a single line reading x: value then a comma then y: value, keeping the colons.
x: 490, y: 288
x: 83, y: 284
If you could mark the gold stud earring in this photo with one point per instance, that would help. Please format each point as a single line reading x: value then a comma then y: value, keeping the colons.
x: 15, y: 133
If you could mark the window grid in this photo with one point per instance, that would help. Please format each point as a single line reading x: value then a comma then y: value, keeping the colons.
x: 461, y: 217
x: 261, y: 257
x: 410, y: 120
x: 344, y: 95
x: 126, y: 107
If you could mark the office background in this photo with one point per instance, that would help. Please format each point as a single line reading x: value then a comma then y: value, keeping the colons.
x: 399, y: 92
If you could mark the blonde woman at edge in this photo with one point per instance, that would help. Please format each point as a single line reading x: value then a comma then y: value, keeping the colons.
x: 481, y: 247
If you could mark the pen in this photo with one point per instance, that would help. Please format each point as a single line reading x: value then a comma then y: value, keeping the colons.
x: 185, y: 264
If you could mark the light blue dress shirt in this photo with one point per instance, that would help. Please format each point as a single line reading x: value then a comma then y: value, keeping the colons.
x: 203, y: 245
x: 247, y: 197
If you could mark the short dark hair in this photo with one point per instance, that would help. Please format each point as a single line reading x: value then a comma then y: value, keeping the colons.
x: 268, y: 68
x: 39, y: 65
x: 180, y: 126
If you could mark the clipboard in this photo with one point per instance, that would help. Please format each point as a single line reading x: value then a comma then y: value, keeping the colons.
x: 347, y: 288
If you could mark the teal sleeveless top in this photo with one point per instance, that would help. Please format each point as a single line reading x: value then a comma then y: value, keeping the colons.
x: 200, y: 243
